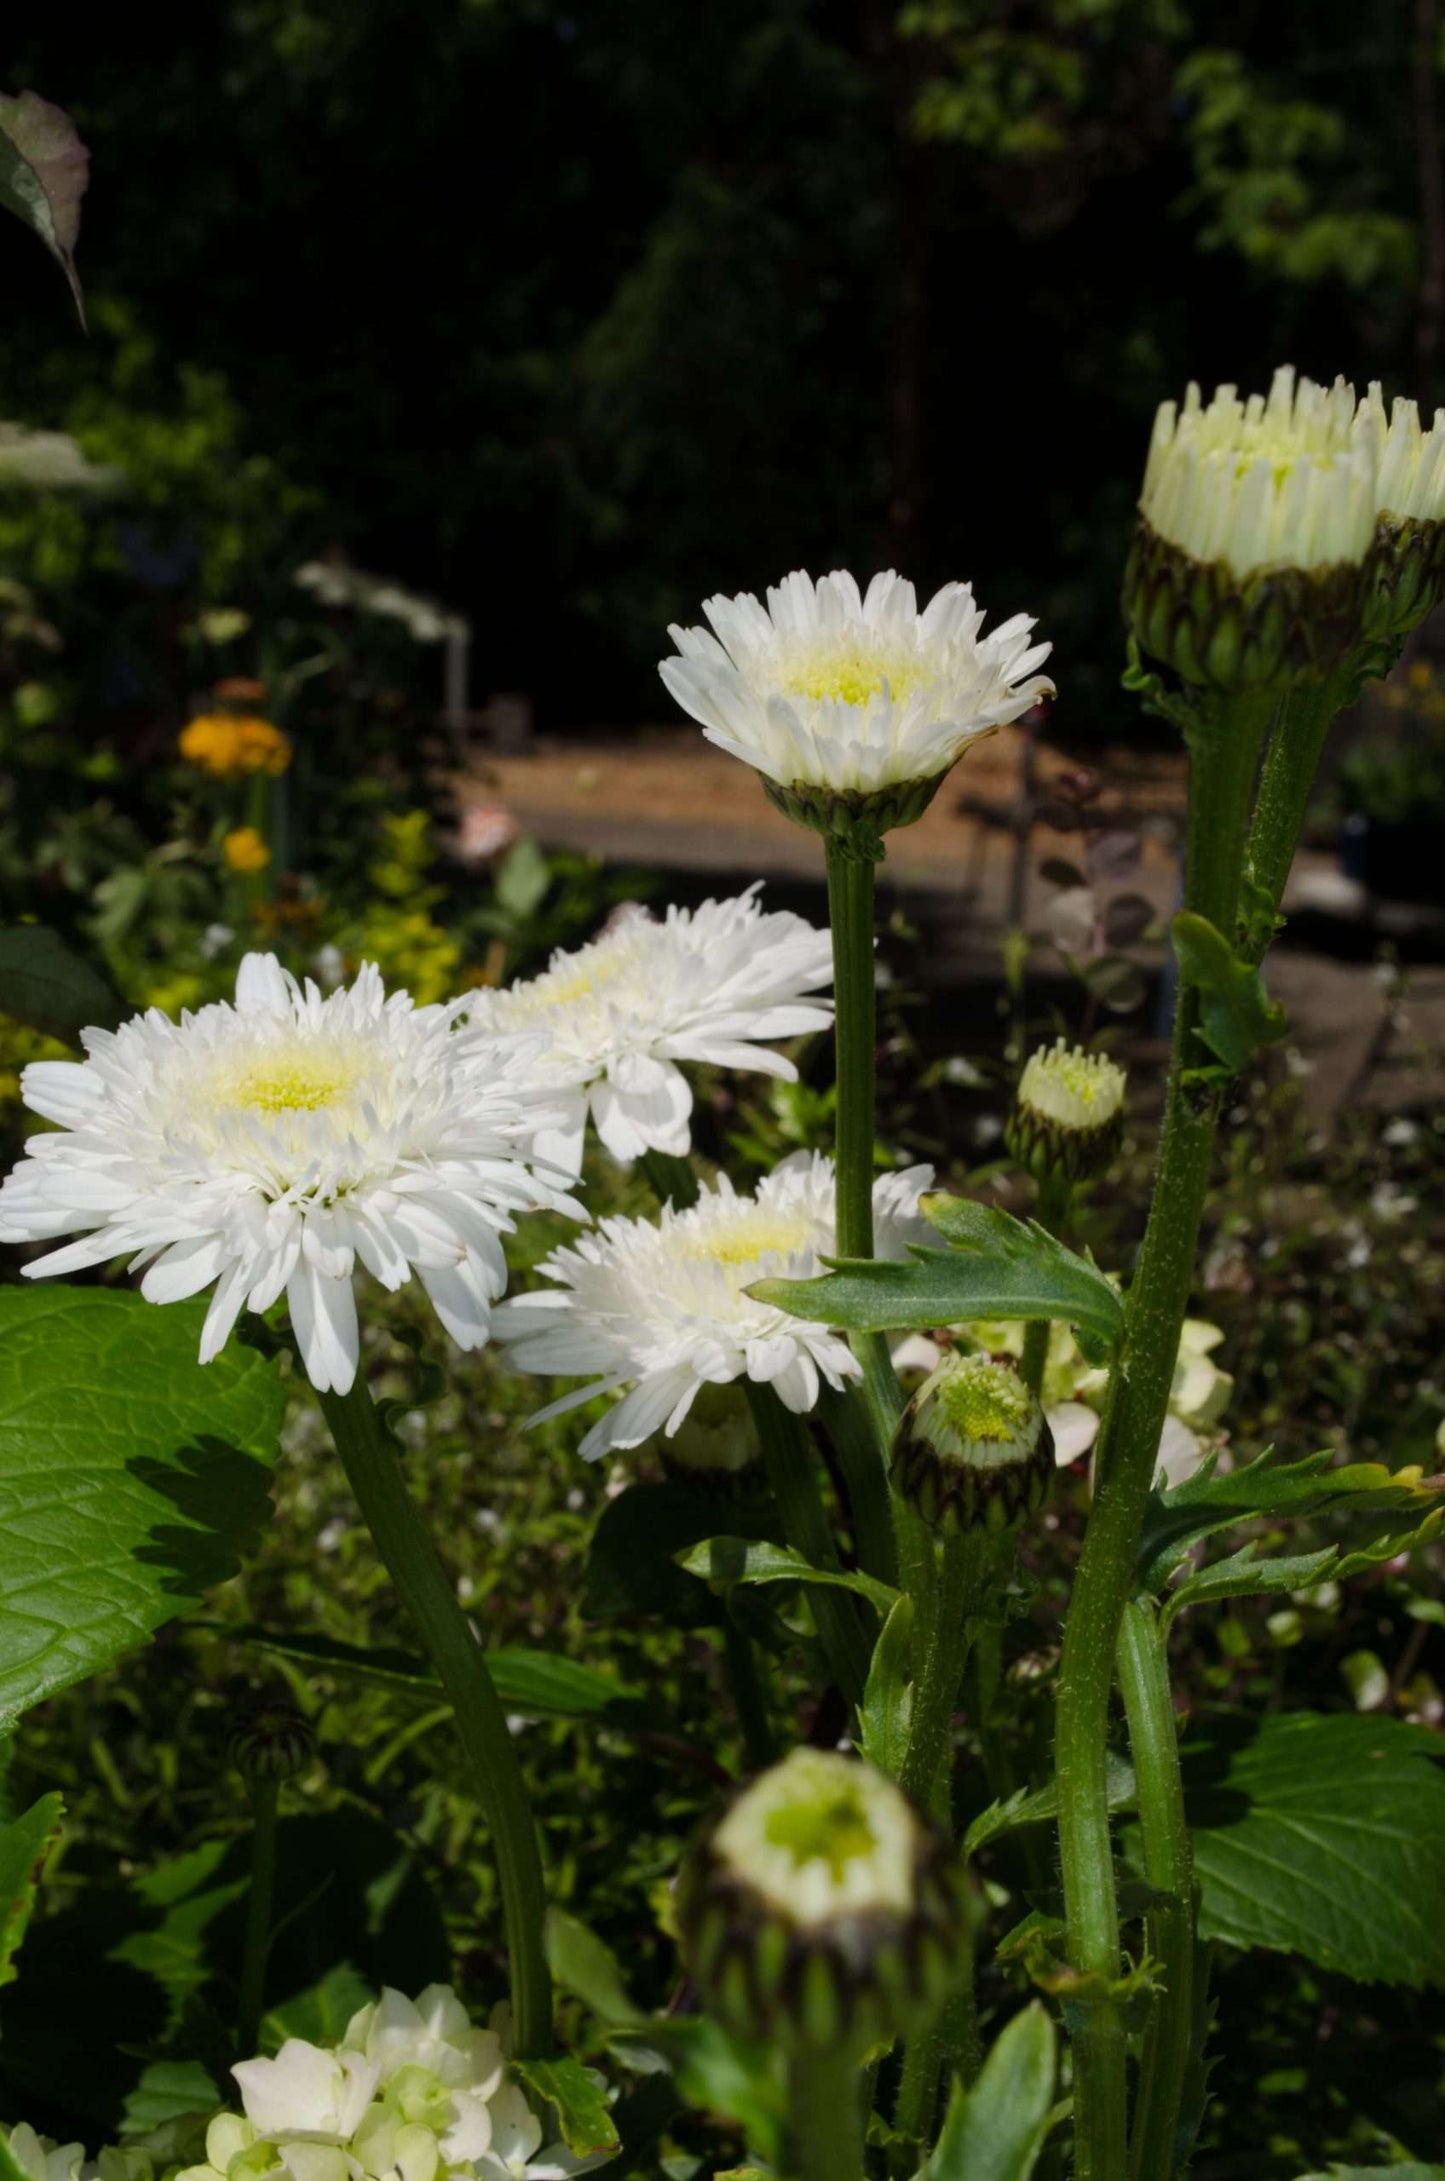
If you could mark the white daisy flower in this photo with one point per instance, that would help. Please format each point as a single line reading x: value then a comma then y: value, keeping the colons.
x: 663, y: 1307
x: 1410, y: 481
x: 830, y: 692
x: 710, y: 984
x: 269, y: 1146
x: 1280, y: 481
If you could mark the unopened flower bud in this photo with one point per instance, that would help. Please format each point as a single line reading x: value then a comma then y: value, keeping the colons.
x: 1068, y: 1118
x: 823, y: 1911
x: 1247, y: 569
x: 716, y: 1445
x: 973, y: 1447
x: 273, y: 1742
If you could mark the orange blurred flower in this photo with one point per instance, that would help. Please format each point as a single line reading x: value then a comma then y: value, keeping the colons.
x: 231, y: 745
x: 245, y: 851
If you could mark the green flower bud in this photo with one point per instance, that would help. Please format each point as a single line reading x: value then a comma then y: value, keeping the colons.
x: 715, y: 1445
x: 1404, y: 576
x: 822, y: 1910
x: 1220, y: 630
x: 273, y: 1742
x: 973, y: 1447
x: 1068, y: 1118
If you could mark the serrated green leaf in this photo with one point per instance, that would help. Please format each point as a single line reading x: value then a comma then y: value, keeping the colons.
x: 1211, y: 1501
x: 1236, y: 1014
x: 1042, y: 1806
x: 996, y: 1267
x: 168, y: 2091
x: 586, y: 1966
x: 1323, y: 1835
x: 25, y: 1849
x: 49, y: 987
x: 132, y: 1479
x: 995, y: 2131
x: 887, y: 1711
x: 581, y: 2108
x: 43, y: 172
x: 754, y: 1560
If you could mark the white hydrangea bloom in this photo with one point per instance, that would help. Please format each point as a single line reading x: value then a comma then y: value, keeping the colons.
x: 663, y: 1306
x: 1286, y: 480
x: 272, y: 1145
x: 826, y: 687
x: 306, y: 2091
x: 434, y: 2066
x: 713, y: 984
x: 40, y: 2158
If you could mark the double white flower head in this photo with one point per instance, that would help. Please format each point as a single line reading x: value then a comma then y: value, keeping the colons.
x: 853, y: 705
x: 705, y: 985
x: 662, y: 1307
x: 275, y: 1145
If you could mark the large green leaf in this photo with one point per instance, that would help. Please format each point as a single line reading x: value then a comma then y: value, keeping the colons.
x: 131, y: 1478
x: 24, y: 1851
x: 995, y: 2131
x: 43, y: 171
x: 49, y: 987
x: 1323, y: 1835
x: 586, y: 1966
x: 996, y: 1267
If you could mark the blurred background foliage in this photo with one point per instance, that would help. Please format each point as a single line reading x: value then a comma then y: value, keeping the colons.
x: 577, y: 313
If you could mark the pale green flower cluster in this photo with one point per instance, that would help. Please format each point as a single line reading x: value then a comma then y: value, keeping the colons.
x: 414, y: 2091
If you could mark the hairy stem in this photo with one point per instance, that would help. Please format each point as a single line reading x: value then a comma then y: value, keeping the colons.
x: 825, y: 2117
x: 1169, y: 1868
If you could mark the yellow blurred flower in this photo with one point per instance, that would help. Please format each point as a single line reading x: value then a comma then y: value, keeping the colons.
x: 245, y: 851
x: 231, y: 745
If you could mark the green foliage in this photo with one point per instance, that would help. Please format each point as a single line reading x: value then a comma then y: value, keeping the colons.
x: 25, y: 1847
x: 564, y: 2084
x: 1324, y: 1836
x: 727, y: 1560
x: 995, y: 2130
x: 131, y: 1479
x: 996, y: 1267
x: 48, y: 986
x: 1236, y: 1015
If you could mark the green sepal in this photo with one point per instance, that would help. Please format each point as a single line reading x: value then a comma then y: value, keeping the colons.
x: 1236, y: 1014
x: 850, y: 819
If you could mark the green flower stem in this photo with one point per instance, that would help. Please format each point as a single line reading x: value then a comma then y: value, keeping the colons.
x: 1036, y: 1354
x: 1284, y: 791
x: 949, y: 2046
x: 265, y: 1800
x: 850, y: 911
x: 1225, y: 755
x: 825, y: 2117
x: 963, y: 1560
x: 748, y: 1697
x: 963, y: 1568
x: 844, y: 1416
x: 369, y: 1456
x: 1169, y: 1869
x: 794, y: 1482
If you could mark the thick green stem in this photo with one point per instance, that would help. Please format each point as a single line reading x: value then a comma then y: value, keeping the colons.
x: 844, y: 1416
x: 794, y: 1482
x: 1169, y: 1868
x: 1225, y: 758
x: 935, y: 1693
x: 1285, y: 783
x: 369, y: 1456
x: 265, y: 1798
x: 850, y: 908
x: 1036, y: 1354
x: 748, y: 1697
x: 825, y: 2117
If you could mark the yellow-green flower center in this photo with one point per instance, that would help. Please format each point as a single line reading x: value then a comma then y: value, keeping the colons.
x: 285, y: 1083
x: 831, y: 1829
x: 983, y: 1400
x: 850, y: 673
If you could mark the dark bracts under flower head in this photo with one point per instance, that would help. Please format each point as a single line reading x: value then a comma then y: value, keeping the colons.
x: 821, y: 1910
x: 973, y: 1448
